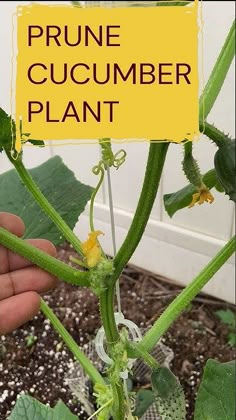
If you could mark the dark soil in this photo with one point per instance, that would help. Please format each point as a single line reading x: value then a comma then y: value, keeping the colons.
x: 41, y: 368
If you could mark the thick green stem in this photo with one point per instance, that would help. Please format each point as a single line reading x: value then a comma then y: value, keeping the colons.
x: 186, y: 296
x: 218, y: 75
x: 46, y: 262
x: 155, y: 163
x: 118, y: 408
x: 88, y: 367
x: 45, y: 205
x: 213, y: 133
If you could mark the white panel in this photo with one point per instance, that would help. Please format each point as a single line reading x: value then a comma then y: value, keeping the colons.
x: 233, y: 225
x: 184, y: 238
x: 174, y: 253
x: 32, y: 157
x: 5, y: 165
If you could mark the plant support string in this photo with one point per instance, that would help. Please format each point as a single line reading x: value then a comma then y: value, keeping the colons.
x: 113, y: 232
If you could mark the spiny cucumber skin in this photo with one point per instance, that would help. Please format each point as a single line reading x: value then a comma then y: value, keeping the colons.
x: 191, y: 170
x: 169, y: 395
x: 225, y: 168
x: 172, y: 408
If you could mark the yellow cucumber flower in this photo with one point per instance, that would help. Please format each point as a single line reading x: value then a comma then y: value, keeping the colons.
x: 201, y: 196
x: 91, y: 249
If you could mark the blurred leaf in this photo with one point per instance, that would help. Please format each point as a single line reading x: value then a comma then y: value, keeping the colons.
x: 227, y: 317
x: 28, y: 408
x: 62, y: 412
x: 30, y: 340
x: 216, y: 395
x: 144, y: 399
x: 169, y: 395
x: 232, y: 339
x: 59, y: 185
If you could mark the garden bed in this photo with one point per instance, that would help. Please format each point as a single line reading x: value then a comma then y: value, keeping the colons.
x: 40, y: 368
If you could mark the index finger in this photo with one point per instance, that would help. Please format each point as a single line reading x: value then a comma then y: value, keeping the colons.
x: 12, y: 223
x: 15, y: 225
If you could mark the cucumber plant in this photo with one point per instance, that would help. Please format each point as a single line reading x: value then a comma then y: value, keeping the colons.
x: 101, y: 273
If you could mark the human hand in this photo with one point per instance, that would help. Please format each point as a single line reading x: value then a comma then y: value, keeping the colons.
x: 20, y: 281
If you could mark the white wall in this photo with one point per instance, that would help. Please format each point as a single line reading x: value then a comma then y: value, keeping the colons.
x: 177, y: 248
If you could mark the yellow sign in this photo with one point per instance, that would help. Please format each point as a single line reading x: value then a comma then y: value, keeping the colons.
x: 124, y: 73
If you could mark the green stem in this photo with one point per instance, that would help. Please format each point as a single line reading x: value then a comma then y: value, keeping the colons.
x: 118, y: 408
x: 45, y: 205
x: 186, y: 296
x: 46, y: 262
x: 155, y: 163
x: 188, y: 148
x: 154, y: 168
x: 101, y: 408
x: 137, y: 351
x: 91, y: 210
x: 213, y: 133
x: 88, y: 367
x: 218, y: 75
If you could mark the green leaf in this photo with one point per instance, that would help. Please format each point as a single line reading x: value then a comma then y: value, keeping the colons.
x: 62, y: 412
x: 169, y: 395
x: 173, y: 3
x: 182, y: 198
x: 231, y: 339
x: 27, y: 408
x: 179, y: 200
x: 219, y: 187
x: 227, y: 317
x: 7, y: 131
x: 144, y: 398
x: 216, y: 395
x: 39, y: 143
x: 59, y: 185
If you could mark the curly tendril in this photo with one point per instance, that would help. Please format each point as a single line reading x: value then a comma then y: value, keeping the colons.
x: 109, y: 159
